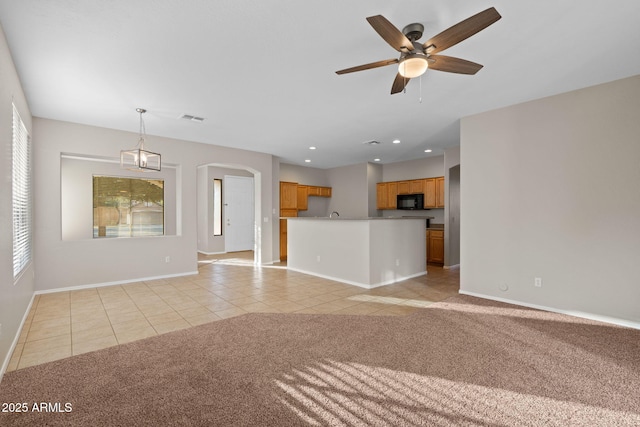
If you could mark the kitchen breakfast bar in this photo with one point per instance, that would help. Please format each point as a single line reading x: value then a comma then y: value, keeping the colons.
x: 365, y: 252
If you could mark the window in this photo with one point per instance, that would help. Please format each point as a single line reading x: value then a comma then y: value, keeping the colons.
x: 21, y: 195
x: 217, y: 207
x: 127, y: 207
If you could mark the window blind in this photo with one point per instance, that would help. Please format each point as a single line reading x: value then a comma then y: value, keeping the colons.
x: 22, y: 228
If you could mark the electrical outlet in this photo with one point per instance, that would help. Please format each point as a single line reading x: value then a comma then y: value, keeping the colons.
x: 318, y: 258
x: 537, y: 282
x: 167, y: 259
x: 397, y: 263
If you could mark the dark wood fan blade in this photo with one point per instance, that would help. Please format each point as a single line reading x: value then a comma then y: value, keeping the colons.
x: 368, y: 66
x: 461, y: 31
x: 399, y: 83
x: 390, y: 33
x: 453, y: 65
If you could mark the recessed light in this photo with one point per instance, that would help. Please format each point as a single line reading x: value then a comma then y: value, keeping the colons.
x: 428, y: 150
x: 376, y: 160
x: 396, y: 141
x: 312, y: 148
x: 307, y: 161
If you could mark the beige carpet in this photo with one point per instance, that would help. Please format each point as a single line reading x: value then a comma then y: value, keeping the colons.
x: 465, y: 361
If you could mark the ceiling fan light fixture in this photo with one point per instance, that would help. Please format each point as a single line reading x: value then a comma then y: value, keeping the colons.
x: 413, y: 65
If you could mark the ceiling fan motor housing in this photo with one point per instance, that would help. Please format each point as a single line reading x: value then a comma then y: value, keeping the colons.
x: 413, y: 31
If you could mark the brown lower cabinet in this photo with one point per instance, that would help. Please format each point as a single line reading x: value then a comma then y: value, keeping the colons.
x: 435, y: 246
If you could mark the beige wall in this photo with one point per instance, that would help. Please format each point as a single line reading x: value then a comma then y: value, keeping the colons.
x: 64, y: 264
x: 350, y: 194
x: 427, y: 167
x: 561, y: 178
x: 15, y: 295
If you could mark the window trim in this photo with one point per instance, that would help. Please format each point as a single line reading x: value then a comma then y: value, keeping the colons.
x: 21, y: 197
x: 217, y: 207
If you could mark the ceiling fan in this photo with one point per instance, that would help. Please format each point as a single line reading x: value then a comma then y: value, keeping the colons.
x: 415, y: 58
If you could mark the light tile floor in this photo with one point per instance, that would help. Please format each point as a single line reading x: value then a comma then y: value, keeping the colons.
x: 68, y: 323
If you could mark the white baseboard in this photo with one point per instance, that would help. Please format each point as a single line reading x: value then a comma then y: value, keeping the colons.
x: 581, y: 314
x: 358, y: 284
x: 118, y: 282
x: 452, y: 267
x: 211, y: 253
x: 7, y: 359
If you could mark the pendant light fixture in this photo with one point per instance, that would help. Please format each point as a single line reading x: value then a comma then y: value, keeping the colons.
x: 138, y: 159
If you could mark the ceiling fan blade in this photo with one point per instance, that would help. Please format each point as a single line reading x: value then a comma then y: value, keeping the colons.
x: 399, y: 83
x: 368, y: 66
x: 390, y: 33
x: 461, y: 31
x: 453, y: 65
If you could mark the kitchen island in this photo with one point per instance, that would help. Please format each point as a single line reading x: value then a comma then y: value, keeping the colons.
x: 365, y: 252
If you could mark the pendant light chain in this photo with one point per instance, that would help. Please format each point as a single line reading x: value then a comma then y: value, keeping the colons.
x: 143, y: 131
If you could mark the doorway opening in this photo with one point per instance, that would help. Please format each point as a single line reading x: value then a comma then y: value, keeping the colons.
x: 228, y: 209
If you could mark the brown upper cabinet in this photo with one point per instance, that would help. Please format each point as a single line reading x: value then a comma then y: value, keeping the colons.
x: 386, y: 195
x: 288, y: 195
x: 295, y: 196
x: 432, y: 188
x: 430, y: 193
x: 440, y: 192
x: 303, y: 200
x: 415, y: 186
x: 316, y: 191
x: 403, y: 187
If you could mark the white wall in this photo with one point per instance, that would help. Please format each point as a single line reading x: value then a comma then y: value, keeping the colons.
x: 561, y: 176
x: 15, y: 295
x: 64, y: 264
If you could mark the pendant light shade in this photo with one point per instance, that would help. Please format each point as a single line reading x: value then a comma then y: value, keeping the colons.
x: 138, y: 159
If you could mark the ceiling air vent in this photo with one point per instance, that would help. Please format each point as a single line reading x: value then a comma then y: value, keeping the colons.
x: 372, y: 142
x: 192, y: 118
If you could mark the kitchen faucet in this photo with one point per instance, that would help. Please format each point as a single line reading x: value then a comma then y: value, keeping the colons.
x: 334, y: 212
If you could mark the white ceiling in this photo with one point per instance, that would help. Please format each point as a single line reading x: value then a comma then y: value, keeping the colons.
x: 262, y: 72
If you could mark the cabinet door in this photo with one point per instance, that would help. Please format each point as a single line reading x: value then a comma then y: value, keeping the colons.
x: 325, y: 191
x: 440, y: 192
x: 430, y: 193
x: 404, y: 187
x: 303, y: 198
x: 392, y: 195
x: 288, y: 195
x: 283, y: 239
x: 435, y: 253
x: 416, y: 186
x: 381, y: 195
x: 288, y: 212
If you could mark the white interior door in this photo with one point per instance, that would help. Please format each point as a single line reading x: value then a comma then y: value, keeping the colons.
x: 239, y: 213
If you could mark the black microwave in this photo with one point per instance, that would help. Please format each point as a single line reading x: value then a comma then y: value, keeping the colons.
x: 410, y: 201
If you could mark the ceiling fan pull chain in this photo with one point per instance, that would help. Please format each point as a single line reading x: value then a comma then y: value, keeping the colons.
x: 420, y: 98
